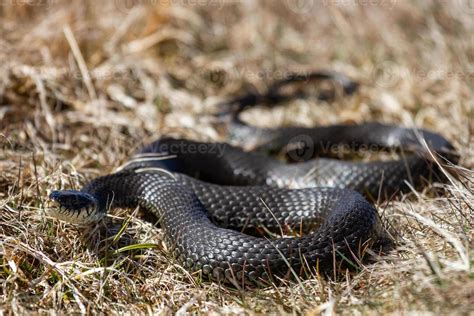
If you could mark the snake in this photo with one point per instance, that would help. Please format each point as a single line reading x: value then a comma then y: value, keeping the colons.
x: 248, y: 217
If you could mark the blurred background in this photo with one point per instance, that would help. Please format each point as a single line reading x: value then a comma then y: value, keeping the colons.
x: 84, y: 83
x: 142, y: 67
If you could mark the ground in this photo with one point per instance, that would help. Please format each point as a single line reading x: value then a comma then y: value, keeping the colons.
x: 84, y: 83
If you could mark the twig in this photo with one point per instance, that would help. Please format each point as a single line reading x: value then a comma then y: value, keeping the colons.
x: 80, y: 62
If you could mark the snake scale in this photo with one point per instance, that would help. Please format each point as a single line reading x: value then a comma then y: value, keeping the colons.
x: 214, y: 200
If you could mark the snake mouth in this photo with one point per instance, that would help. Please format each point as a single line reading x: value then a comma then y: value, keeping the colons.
x: 74, y: 207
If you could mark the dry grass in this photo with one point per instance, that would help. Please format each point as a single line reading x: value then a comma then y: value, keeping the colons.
x: 82, y: 84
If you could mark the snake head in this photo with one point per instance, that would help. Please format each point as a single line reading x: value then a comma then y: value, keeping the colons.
x: 75, y: 207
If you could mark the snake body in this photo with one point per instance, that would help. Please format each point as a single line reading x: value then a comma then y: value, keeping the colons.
x: 212, y: 199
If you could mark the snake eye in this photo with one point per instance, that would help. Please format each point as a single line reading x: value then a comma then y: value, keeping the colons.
x: 73, y: 200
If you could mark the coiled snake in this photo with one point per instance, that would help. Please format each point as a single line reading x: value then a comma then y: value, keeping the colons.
x: 212, y: 199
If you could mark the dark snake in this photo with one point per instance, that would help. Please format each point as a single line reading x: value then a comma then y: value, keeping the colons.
x: 214, y: 199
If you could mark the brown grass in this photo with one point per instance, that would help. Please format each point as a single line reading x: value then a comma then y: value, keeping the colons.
x: 83, y: 83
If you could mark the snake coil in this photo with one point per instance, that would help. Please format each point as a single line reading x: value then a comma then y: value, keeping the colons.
x: 212, y: 199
